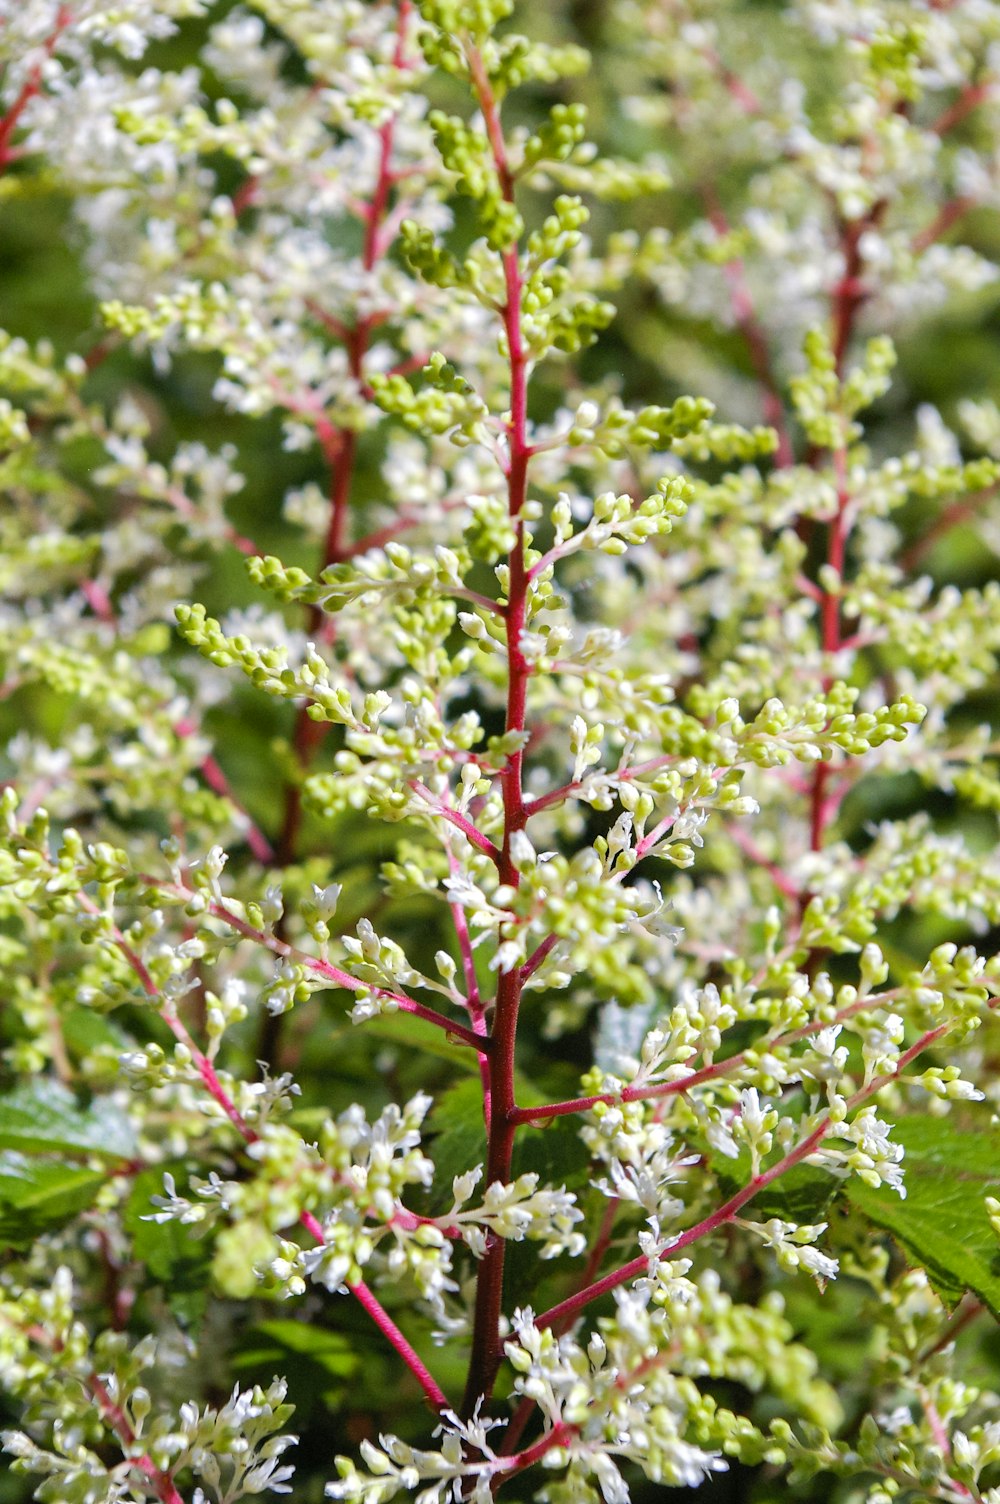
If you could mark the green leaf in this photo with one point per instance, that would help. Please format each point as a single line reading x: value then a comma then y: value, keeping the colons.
x: 38, y: 1195
x: 800, y: 1196
x: 174, y: 1256
x: 44, y: 1116
x: 460, y: 1107
x: 558, y: 1156
x: 556, y: 1153
x: 325, y: 1370
x: 85, y: 1030
x: 459, y: 1137
x: 942, y: 1224
x: 270, y: 1341
x: 411, y: 1033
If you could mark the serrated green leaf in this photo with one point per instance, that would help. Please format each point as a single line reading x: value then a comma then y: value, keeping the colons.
x: 44, y: 1117
x: 942, y: 1224
x: 37, y: 1196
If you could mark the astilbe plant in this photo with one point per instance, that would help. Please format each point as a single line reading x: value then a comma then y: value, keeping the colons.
x: 670, y: 958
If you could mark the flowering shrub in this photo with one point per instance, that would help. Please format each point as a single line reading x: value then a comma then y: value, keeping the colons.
x: 509, y: 972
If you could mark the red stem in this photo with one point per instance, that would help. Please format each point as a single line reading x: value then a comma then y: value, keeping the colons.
x: 949, y: 214
x: 394, y: 1336
x: 162, y: 1482
x: 473, y: 997
x: 969, y: 99
x: 719, y: 1068
x: 280, y: 947
x: 848, y: 297
x: 487, y: 1346
x: 521, y: 1460
x: 755, y: 340
x: 342, y: 978
x: 955, y: 513
x: 728, y: 1209
x: 850, y: 292
x: 29, y: 89
x: 218, y: 1092
x: 820, y: 806
x: 340, y: 450
x: 524, y: 1411
x: 216, y: 779
x: 454, y: 817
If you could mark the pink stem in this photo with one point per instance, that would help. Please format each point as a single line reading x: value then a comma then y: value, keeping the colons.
x: 970, y: 98
x: 948, y: 215
x: 524, y: 1411
x: 749, y: 847
x: 625, y: 775
x: 219, y: 783
x: 487, y: 1343
x: 718, y: 1069
x: 31, y: 86
x: 454, y: 817
x: 394, y: 1336
x: 339, y: 447
x: 820, y: 809
x: 473, y: 999
x: 756, y: 342
x: 955, y: 513
x: 330, y: 972
x: 162, y: 1482
x: 307, y: 1219
x: 729, y: 1208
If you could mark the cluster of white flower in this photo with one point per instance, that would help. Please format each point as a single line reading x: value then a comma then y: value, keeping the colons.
x: 639, y: 693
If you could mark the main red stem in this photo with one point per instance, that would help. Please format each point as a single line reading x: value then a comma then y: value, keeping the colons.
x: 487, y: 1347
x: 848, y: 297
x: 830, y: 627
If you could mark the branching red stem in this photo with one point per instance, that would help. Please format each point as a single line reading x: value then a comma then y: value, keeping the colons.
x: 307, y: 1219
x: 724, y: 1213
x: 717, y: 1070
x: 162, y: 1483
x: 339, y: 447
x: 29, y: 89
x: 487, y: 1348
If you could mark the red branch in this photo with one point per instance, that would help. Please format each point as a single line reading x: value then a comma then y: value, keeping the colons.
x: 31, y: 87
x: 161, y: 1482
x: 661, y: 1089
x: 487, y: 1344
x: 948, y: 215
x: 307, y: 1220
x: 848, y: 297
x: 755, y: 341
x: 333, y: 974
x: 728, y: 1210
x: 968, y: 100
x: 339, y: 447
